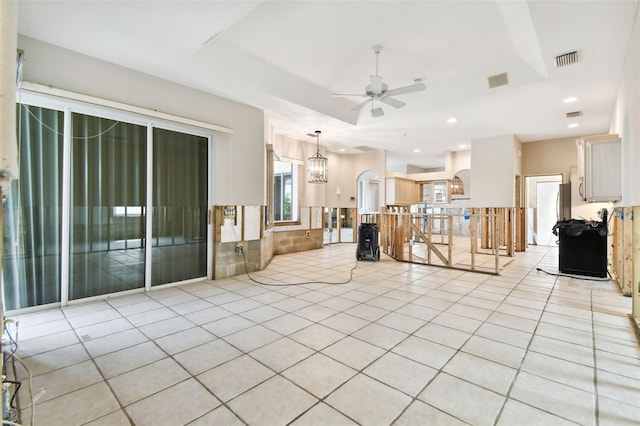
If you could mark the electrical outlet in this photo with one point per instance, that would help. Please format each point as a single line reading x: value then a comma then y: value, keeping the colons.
x: 308, y: 234
x: 238, y: 248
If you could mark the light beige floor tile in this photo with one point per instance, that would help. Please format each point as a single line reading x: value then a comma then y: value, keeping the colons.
x: 368, y: 401
x: 55, y: 359
x: 457, y: 322
x: 338, y: 303
x: 287, y: 324
x: 316, y: 312
x: 517, y: 413
x: 481, y: 372
x: 208, y: 315
x: 47, y: 343
x: 358, y: 296
x: 463, y: 400
x: 345, y: 323
x: 116, y: 418
x: 78, y: 407
x: 401, y: 373
x: 618, y: 364
x: 191, y: 306
x: 114, y: 342
x: 317, y: 336
x: 380, y: 335
x: 504, y: 335
x: 319, y: 374
x: 262, y: 314
x: 144, y: 381
x: 206, y: 356
x: 241, y: 305
x: 252, y: 338
x: 519, y: 311
x: 166, y: 327
x: 228, y: 325
x: 385, y: 302
x: 563, y: 350
x: 565, y: 372
x: 617, y: 346
x: 150, y: 317
x: 620, y: 388
x: 491, y: 350
x: 220, y: 416
x: 94, y: 317
x: 401, y: 322
x: 184, y: 340
x: 367, y: 312
x: 63, y: 381
x: 562, y: 400
x: 616, y: 413
x: 128, y: 359
x: 235, y: 377
x: 274, y: 402
x: 512, y: 321
x: 146, y: 305
x: 443, y: 335
x: 417, y: 311
x: 281, y: 354
x: 420, y: 413
x: 40, y: 330
x: 178, y: 405
x: 322, y: 415
x: 103, y: 329
x: 567, y: 321
x: 429, y: 353
x: 353, y: 352
x: 570, y: 335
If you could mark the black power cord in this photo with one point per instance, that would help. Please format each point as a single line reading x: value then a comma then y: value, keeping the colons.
x: 289, y: 284
x: 577, y: 277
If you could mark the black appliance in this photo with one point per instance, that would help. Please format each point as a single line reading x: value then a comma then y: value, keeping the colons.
x: 582, y: 247
x: 368, y: 242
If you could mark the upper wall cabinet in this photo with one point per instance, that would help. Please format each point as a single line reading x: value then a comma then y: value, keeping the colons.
x: 436, y: 192
x: 599, y: 168
x: 402, y: 191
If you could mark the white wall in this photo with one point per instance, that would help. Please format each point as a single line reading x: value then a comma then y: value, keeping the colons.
x: 239, y: 172
x: 493, y: 169
x: 626, y: 120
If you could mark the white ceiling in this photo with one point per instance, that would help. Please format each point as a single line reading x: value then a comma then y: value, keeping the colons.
x: 288, y: 57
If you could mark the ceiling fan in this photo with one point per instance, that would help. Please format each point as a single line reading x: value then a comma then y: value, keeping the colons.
x: 378, y: 91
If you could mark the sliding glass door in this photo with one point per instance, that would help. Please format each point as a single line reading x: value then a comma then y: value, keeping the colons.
x: 90, y: 199
x: 179, y: 206
x: 108, y: 198
x: 32, y: 212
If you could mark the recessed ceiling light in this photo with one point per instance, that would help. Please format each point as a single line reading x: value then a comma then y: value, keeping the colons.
x: 570, y: 99
x: 416, y: 150
x: 452, y: 120
x: 342, y: 150
x: 573, y: 125
x: 462, y: 146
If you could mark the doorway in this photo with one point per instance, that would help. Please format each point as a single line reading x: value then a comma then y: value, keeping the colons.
x: 543, y: 208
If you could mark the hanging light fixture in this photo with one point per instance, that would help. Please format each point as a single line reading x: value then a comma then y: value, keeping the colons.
x: 317, y: 165
x: 457, y: 186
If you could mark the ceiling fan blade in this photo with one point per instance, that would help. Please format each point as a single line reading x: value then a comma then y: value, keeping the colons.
x: 348, y: 94
x: 417, y: 87
x: 393, y: 102
x: 361, y: 105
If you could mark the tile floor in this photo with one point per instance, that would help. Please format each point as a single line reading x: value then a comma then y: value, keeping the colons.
x: 400, y: 344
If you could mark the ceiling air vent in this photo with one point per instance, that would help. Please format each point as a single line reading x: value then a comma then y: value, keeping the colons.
x: 365, y: 148
x: 574, y: 114
x: 567, y: 59
x: 498, y: 80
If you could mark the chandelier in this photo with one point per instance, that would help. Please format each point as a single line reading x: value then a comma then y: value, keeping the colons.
x: 457, y: 186
x: 317, y: 165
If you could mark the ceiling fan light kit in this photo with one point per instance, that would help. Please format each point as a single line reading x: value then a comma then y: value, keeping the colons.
x: 317, y: 165
x: 376, y: 90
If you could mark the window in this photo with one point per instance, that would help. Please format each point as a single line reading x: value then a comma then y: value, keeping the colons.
x: 285, y: 191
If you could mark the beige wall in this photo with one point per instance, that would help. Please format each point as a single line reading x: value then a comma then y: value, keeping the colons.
x: 239, y: 172
x: 549, y: 157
